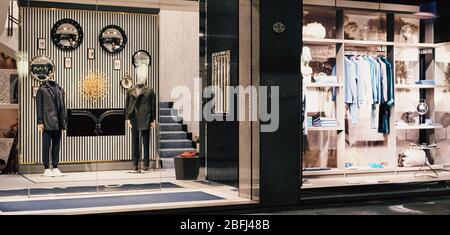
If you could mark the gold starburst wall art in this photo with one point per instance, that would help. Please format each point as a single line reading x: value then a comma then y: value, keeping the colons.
x: 94, y: 86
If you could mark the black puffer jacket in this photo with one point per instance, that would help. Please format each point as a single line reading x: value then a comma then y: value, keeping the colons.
x: 50, y: 107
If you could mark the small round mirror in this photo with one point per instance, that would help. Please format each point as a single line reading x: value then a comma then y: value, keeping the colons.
x: 142, y: 58
x: 126, y: 82
x: 113, y: 39
x: 42, y: 68
x: 67, y: 34
x: 422, y: 108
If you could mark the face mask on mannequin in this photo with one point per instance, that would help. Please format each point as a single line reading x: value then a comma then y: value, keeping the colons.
x: 142, y: 75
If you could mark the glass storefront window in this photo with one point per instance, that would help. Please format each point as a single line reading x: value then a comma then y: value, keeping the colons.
x: 390, y: 108
x: 111, y: 94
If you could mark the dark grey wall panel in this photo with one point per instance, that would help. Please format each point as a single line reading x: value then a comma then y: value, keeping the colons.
x: 222, y: 138
x: 143, y: 34
x: 280, y: 66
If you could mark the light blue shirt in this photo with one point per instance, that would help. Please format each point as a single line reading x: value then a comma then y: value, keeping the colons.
x: 376, y: 79
x: 351, y: 89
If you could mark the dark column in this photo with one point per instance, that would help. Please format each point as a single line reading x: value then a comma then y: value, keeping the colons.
x: 222, y: 137
x: 280, y: 66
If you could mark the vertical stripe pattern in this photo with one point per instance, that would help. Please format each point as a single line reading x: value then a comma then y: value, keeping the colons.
x: 143, y: 34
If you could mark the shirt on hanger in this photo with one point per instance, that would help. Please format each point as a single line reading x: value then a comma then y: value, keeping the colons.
x: 383, y: 76
x: 351, y: 89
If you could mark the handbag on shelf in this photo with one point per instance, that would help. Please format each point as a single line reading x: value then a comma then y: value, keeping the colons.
x: 412, y: 157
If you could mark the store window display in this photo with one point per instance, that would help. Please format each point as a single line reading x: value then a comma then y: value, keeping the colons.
x: 389, y: 124
x: 96, y: 103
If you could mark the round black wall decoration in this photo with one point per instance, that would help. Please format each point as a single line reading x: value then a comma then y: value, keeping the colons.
x: 113, y: 39
x: 67, y: 34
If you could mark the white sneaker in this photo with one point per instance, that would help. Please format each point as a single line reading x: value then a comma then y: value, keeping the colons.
x: 57, y: 173
x: 48, y: 173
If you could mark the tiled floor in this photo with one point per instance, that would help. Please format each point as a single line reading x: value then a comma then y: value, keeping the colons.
x: 10, y: 182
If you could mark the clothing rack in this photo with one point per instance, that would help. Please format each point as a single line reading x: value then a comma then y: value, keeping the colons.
x: 365, y: 52
x: 354, y: 50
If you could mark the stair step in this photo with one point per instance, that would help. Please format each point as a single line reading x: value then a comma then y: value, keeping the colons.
x: 165, y: 104
x: 171, y: 144
x: 173, y: 135
x: 171, y: 127
x: 168, y: 112
x: 170, y: 119
x: 168, y: 153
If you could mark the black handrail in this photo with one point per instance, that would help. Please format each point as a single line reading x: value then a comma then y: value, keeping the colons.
x: 11, y: 19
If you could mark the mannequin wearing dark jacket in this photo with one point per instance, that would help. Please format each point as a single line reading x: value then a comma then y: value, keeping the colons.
x: 140, y: 114
x: 51, y: 119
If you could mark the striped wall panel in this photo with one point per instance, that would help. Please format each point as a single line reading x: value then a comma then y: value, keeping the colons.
x: 143, y: 34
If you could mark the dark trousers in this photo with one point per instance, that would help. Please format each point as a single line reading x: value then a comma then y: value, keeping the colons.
x: 139, y: 139
x: 53, y: 139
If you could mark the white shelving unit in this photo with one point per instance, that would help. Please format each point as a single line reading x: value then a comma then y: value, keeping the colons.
x: 387, y: 46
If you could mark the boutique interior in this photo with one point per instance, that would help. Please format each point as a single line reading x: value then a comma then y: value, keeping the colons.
x: 376, y: 89
x: 113, y: 69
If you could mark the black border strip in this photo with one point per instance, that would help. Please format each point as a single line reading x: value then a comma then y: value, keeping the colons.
x: 89, y: 7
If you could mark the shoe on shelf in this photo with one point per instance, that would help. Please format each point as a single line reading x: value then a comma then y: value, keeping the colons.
x: 134, y: 170
x: 57, y: 173
x: 48, y: 173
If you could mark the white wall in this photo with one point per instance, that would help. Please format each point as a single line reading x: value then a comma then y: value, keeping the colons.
x: 179, y: 53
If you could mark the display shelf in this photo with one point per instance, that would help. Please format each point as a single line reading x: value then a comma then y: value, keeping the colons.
x: 420, y: 168
x: 318, y: 41
x: 357, y: 171
x: 318, y: 85
x: 366, y: 170
x: 328, y: 128
x: 367, y: 43
x: 419, y: 127
x: 417, y: 86
x: 9, y: 106
x: 415, y: 45
x: 418, y: 15
x: 333, y: 171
